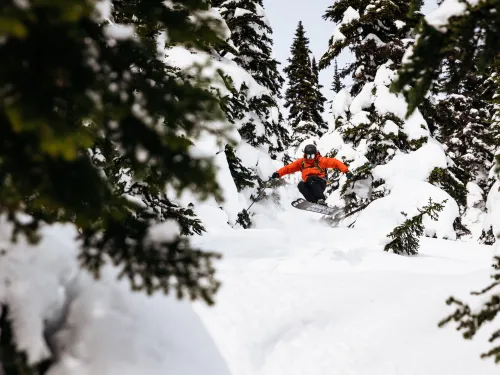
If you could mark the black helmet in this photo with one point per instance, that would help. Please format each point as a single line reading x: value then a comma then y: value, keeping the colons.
x: 310, y: 150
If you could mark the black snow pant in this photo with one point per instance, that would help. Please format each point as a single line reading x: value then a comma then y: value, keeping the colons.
x: 313, y: 188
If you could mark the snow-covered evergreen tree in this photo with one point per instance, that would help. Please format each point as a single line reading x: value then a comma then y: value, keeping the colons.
x: 302, y: 96
x: 406, y: 237
x: 250, y: 98
x: 320, y: 101
x: 471, y: 30
x: 100, y: 143
x: 243, y: 177
x: 463, y: 121
x: 375, y: 31
x: 337, y: 83
x: 368, y: 116
x: 250, y: 46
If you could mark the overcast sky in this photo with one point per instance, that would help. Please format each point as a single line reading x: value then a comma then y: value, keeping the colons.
x: 284, y: 16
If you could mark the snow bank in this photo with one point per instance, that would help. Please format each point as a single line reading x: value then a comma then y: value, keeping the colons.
x: 405, y: 176
x: 417, y: 165
x: 96, y: 327
x: 301, y: 298
x: 384, y: 214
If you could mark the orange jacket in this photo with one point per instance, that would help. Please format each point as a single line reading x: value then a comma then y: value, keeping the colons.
x: 310, y: 167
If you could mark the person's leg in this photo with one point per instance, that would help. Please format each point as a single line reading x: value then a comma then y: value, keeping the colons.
x: 306, y: 191
x: 317, y: 187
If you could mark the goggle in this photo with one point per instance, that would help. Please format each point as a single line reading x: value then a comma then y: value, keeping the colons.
x: 310, y: 156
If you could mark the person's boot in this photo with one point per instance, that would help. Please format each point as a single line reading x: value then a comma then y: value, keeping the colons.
x: 321, y: 202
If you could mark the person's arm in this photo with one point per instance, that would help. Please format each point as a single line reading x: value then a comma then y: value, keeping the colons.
x: 333, y: 163
x: 290, y: 168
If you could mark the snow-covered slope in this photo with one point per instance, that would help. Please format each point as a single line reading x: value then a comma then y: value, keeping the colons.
x: 298, y: 297
x: 96, y: 327
x: 302, y: 298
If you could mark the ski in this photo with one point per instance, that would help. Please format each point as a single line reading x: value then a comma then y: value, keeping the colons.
x: 302, y: 204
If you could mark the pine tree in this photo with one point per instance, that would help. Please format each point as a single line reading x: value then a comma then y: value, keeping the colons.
x: 375, y: 31
x: 251, y: 34
x: 465, y: 126
x: 337, y: 83
x: 320, y: 100
x: 459, y: 60
x: 406, y: 237
x: 302, y: 96
x: 474, y: 36
x: 463, y: 122
x: 98, y: 89
x: 242, y: 176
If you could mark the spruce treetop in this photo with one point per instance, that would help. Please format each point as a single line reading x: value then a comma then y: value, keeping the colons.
x: 303, y: 97
x: 251, y: 34
x: 250, y: 46
x: 337, y: 84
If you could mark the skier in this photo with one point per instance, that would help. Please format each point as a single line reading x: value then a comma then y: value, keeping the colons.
x: 313, y: 167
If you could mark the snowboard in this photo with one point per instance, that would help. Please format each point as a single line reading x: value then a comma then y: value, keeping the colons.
x: 302, y: 204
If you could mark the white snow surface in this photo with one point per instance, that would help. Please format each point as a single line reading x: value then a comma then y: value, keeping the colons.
x: 299, y: 297
x: 350, y: 15
x: 390, y: 128
x: 103, y: 9
x: 384, y: 214
x: 233, y: 203
x: 96, y: 327
x: 119, y: 32
x: 337, y: 36
x: 417, y: 165
x: 364, y: 99
x: 241, y: 12
x: 399, y: 24
x: 341, y: 103
x: 474, y: 217
x: 377, y: 93
x: 406, y: 177
x: 448, y: 9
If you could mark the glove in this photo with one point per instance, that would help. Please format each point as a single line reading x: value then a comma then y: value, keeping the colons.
x: 275, y: 175
x: 349, y: 175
